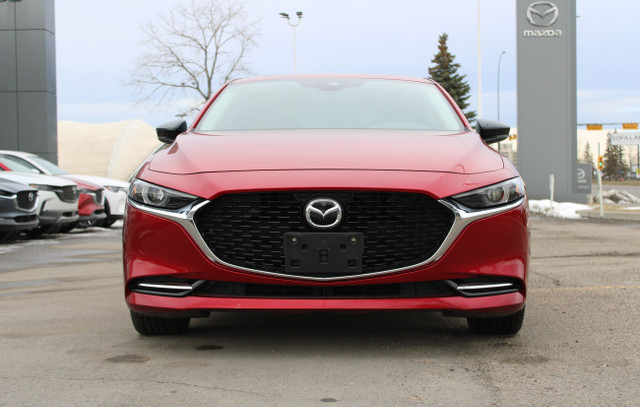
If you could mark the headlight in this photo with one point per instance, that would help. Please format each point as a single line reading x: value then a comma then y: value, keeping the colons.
x: 157, y: 196
x: 86, y: 191
x: 6, y: 194
x: 41, y: 187
x: 115, y: 189
x: 493, y: 195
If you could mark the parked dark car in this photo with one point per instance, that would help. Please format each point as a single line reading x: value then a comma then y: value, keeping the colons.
x: 18, y: 208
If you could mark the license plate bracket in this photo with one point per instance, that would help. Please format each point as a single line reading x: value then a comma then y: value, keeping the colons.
x: 323, y: 253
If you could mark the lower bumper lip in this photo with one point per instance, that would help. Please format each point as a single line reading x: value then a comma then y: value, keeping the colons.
x: 500, y: 304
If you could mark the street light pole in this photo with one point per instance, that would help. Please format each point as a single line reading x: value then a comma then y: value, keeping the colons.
x: 293, y: 25
x: 499, y: 60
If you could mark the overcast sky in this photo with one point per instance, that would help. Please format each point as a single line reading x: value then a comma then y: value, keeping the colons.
x: 97, y: 43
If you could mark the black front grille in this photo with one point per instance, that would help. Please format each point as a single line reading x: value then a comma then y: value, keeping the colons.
x: 68, y: 193
x: 423, y: 289
x: 25, y: 219
x: 400, y: 229
x: 179, y: 287
x: 27, y: 200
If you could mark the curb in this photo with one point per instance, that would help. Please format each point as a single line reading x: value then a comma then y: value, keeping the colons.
x: 628, y: 215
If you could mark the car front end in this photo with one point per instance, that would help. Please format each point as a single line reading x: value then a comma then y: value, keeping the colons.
x: 18, y: 207
x: 91, y: 211
x: 327, y: 219
x: 115, y: 196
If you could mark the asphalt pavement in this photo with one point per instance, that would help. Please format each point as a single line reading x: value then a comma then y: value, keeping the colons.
x: 66, y: 338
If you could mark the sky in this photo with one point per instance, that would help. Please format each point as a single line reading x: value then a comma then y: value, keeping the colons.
x: 97, y: 43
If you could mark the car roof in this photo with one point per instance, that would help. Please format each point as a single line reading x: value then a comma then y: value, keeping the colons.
x: 18, y: 153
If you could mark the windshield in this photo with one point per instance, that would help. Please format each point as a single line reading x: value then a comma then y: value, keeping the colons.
x: 17, y: 164
x: 331, y: 103
x: 50, y: 167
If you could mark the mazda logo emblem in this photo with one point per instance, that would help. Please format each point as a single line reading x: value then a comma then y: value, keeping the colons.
x: 323, y: 213
x: 542, y: 14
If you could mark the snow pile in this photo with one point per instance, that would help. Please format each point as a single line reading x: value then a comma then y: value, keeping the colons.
x: 565, y: 210
x: 612, y: 197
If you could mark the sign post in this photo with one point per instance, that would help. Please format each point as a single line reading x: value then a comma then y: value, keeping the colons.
x: 547, y: 97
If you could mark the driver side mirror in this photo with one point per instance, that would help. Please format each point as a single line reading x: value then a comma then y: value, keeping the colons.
x: 492, y: 131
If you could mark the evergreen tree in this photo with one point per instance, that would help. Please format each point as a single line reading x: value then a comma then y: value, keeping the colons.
x: 587, y: 157
x: 614, y: 165
x: 445, y: 72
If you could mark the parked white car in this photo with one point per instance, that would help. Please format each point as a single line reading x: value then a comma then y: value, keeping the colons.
x: 58, y: 199
x: 115, y: 191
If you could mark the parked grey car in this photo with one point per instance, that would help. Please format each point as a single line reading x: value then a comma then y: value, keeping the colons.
x: 18, y: 208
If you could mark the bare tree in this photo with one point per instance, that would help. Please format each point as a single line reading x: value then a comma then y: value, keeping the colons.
x: 193, y: 50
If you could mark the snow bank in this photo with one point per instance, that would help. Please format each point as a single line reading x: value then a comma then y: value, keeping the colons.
x: 612, y: 196
x: 565, y: 210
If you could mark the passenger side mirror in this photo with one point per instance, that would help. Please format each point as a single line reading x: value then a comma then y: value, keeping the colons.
x: 168, y: 132
x: 492, y: 131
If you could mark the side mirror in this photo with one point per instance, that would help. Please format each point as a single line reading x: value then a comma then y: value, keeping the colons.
x: 492, y: 131
x: 168, y: 132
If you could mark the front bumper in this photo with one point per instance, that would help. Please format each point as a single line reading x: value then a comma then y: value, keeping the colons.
x: 495, y: 246
x: 89, y: 211
x: 49, y: 218
x: 18, y: 222
x: 92, y: 219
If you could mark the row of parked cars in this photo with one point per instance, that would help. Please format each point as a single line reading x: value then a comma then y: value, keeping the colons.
x: 36, y: 197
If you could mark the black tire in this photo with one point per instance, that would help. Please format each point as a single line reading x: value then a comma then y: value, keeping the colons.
x: 109, y: 220
x: 68, y: 227
x: 149, y: 326
x: 85, y: 224
x: 6, y: 235
x: 509, y: 325
x: 41, y: 230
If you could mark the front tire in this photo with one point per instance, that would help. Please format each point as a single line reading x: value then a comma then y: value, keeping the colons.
x: 509, y: 325
x: 109, y: 220
x: 149, y: 326
x: 68, y: 227
x: 6, y: 235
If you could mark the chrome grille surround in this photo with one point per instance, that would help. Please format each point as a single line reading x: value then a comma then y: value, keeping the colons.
x: 185, y: 218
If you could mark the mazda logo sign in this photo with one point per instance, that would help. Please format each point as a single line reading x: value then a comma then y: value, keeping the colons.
x: 323, y: 213
x: 542, y: 14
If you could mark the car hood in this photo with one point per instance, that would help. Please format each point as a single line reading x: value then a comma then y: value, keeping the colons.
x: 13, y: 187
x: 101, y: 181
x: 391, y: 150
x: 40, y: 179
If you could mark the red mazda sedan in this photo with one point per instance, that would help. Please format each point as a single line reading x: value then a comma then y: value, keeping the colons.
x: 332, y: 192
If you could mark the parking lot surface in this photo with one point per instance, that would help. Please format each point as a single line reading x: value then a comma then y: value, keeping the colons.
x: 66, y: 338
